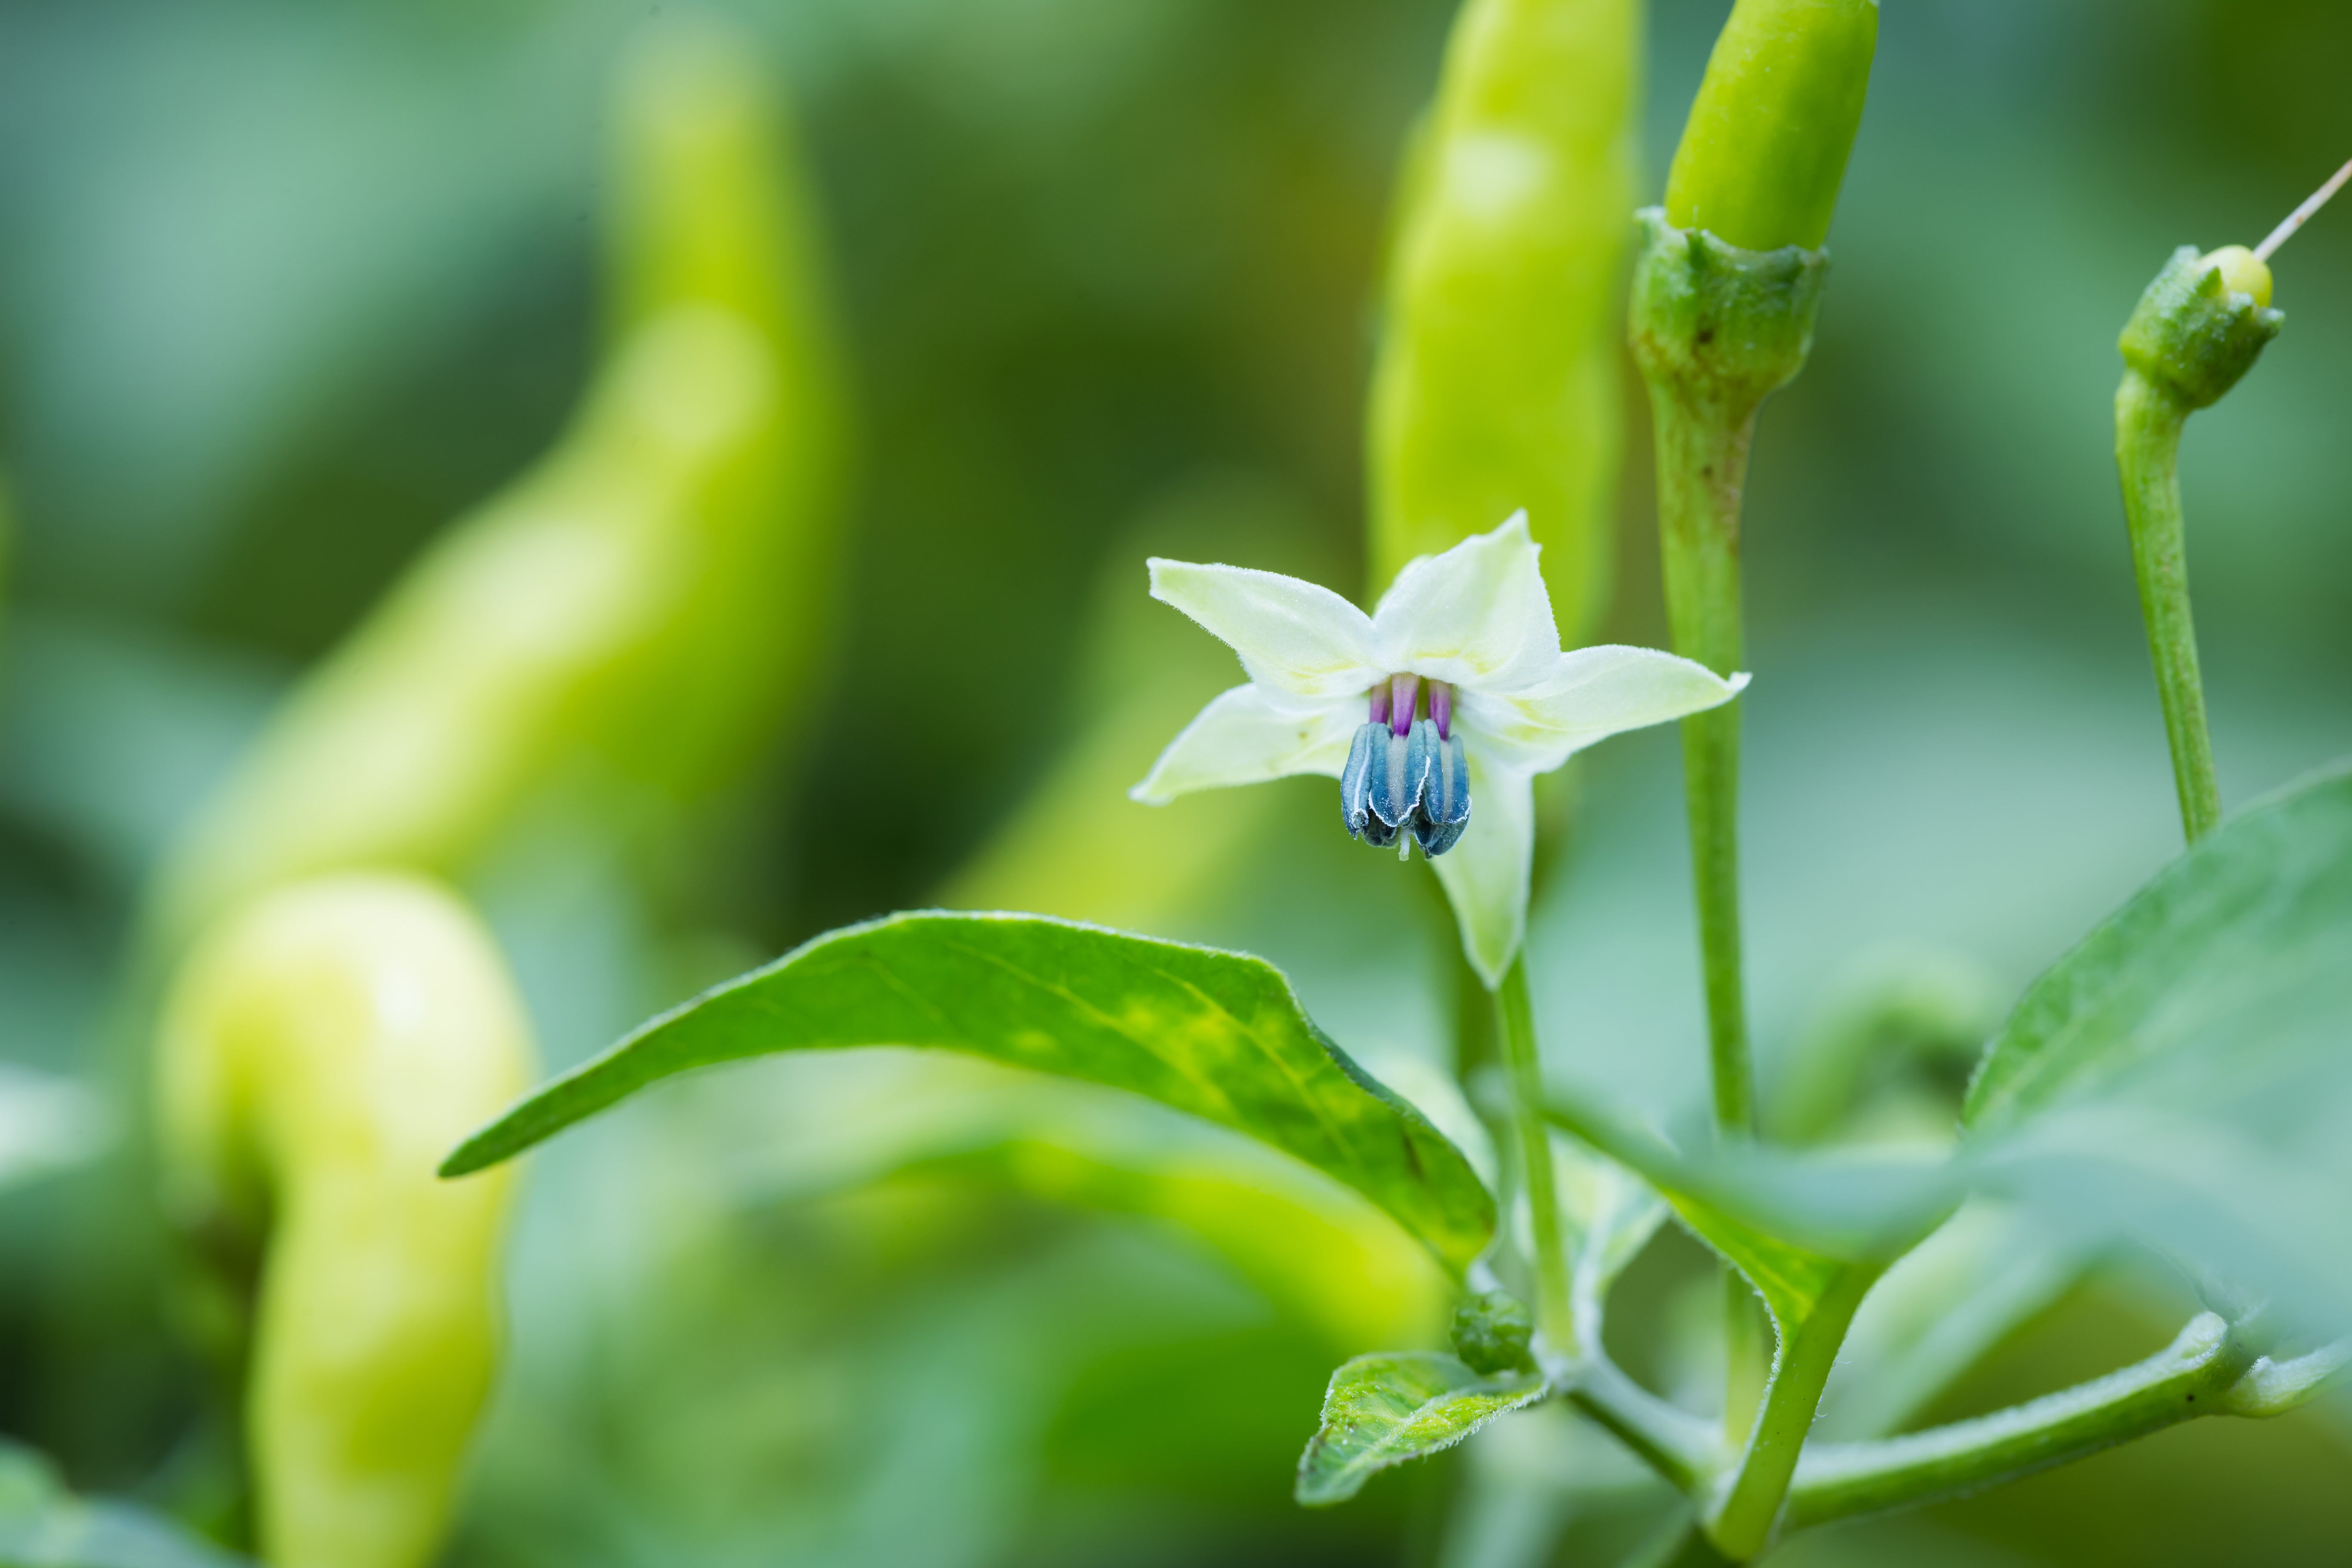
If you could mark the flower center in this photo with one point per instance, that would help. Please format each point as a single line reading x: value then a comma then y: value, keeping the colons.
x: 1407, y: 772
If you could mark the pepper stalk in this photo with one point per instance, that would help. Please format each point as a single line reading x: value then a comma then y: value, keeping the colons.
x: 1726, y: 291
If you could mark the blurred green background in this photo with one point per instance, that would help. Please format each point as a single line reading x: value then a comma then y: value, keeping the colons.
x: 284, y: 290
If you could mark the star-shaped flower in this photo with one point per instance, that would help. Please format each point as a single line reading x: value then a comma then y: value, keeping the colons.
x: 1453, y: 692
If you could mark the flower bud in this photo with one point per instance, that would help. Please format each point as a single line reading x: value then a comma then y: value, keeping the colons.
x: 2202, y: 324
x: 1491, y: 1333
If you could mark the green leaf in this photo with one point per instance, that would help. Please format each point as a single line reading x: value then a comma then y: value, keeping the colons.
x: 42, y: 1525
x: 1789, y: 1275
x: 1381, y: 1410
x: 1608, y: 1213
x: 2237, y: 947
x: 1939, y: 1312
x: 1218, y: 1035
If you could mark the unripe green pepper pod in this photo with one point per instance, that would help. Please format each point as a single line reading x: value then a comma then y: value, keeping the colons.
x: 1496, y: 386
x: 318, y: 1052
x: 1765, y: 148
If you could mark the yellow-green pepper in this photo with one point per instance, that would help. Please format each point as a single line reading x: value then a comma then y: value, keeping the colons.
x: 1497, y: 386
x: 625, y: 626
x: 318, y: 1053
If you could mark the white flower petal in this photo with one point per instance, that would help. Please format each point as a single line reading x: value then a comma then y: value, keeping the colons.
x: 1487, y: 875
x: 1293, y: 636
x: 1589, y: 695
x: 1477, y: 614
x: 1244, y: 736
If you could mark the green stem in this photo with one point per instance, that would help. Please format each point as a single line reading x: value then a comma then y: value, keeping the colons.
x: 1743, y: 1522
x: 1677, y: 1445
x: 1515, y: 1024
x: 2148, y: 421
x: 1702, y: 466
x: 2190, y: 1377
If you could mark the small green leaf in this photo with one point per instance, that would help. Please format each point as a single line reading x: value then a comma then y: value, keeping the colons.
x: 1218, y: 1035
x: 1381, y: 1410
x: 2238, y: 946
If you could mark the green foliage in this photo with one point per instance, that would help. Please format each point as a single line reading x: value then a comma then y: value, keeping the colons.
x: 1382, y: 1410
x: 43, y: 1525
x: 1218, y: 1035
x: 2231, y: 961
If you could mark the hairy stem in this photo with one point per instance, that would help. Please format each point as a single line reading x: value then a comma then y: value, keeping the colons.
x: 2190, y: 1377
x: 2148, y: 420
x: 1515, y: 1024
x: 1744, y: 1519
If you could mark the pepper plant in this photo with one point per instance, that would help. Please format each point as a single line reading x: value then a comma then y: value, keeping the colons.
x: 2205, y: 1015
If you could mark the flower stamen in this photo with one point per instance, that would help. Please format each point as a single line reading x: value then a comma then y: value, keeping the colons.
x: 1407, y: 695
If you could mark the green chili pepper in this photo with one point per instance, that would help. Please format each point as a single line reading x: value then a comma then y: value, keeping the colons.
x: 628, y: 621
x: 1765, y: 150
x: 1496, y: 387
x: 318, y: 1053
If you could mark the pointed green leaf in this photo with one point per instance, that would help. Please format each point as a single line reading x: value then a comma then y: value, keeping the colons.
x: 1381, y: 1410
x: 1218, y: 1035
x: 2238, y: 946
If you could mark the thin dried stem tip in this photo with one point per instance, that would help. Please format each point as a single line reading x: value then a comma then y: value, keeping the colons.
x: 2302, y: 215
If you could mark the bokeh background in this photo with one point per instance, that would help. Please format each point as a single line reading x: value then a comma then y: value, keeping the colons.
x: 285, y: 289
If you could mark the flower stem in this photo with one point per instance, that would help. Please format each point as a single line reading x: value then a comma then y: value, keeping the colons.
x: 2148, y: 421
x: 2192, y: 337
x: 1515, y: 1025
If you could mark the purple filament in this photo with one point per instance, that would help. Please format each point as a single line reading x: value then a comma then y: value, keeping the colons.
x: 1408, y: 697
x: 1440, y: 708
x: 1380, y: 704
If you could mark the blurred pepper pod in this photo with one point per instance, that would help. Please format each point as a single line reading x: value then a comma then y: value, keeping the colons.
x: 2196, y: 331
x: 1497, y: 385
x: 320, y: 1052
x: 628, y: 625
